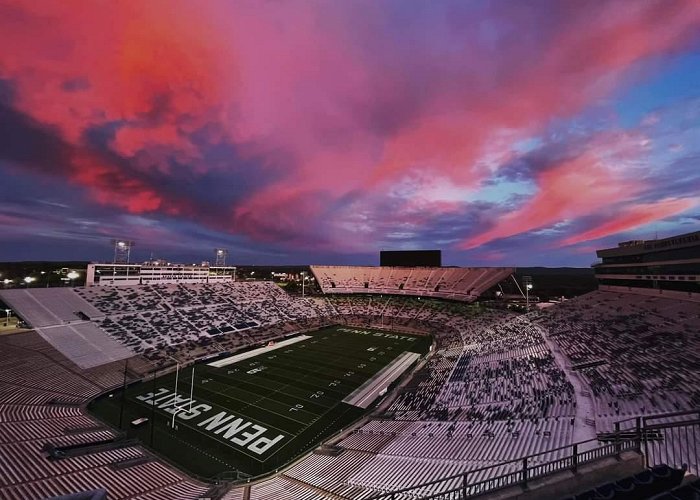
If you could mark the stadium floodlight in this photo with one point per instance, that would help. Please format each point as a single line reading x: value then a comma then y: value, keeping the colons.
x: 28, y: 279
x: 6, y: 281
x: 122, y: 251
x: 71, y: 276
x: 528, y: 286
x: 221, y: 254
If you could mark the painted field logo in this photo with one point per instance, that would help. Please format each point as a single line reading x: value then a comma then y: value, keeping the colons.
x: 377, y: 334
x: 238, y: 431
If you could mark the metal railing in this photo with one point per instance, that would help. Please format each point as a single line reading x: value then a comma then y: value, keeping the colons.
x: 513, y: 472
x: 671, y: 438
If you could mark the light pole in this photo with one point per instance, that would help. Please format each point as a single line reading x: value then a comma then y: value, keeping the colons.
x: 303, y: 282
x: 7, y: 316
x: 234, y: 274
x: 527, y: 280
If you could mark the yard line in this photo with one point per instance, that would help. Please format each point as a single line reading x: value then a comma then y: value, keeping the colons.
x: 311, y: 387
x: 237, y: 384
x: 246, y: 404
x: 287, y: 385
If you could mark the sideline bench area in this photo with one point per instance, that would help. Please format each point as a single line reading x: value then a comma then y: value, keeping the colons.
x: 364, y: 395
x: 254, y: 352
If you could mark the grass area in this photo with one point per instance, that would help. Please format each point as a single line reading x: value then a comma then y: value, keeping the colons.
x: 258, y: 414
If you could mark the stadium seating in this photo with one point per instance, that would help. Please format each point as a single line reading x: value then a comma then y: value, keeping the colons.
x: 647, y: 484
x: 41, y: 392
x: 151, y: 318
x: 428, y: 432
x: 497, y: 369
x: 459, y: 283
x: 158, y: 321
x: 48, y: 306
x: 638, y: 354
x: 494, y: 388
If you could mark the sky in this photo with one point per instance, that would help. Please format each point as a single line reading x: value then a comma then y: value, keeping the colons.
x: 319, y: 132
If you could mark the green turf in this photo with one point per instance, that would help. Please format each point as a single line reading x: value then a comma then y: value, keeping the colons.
x: 298, y: 394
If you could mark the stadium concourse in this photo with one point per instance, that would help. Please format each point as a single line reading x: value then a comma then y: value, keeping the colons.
x: 497, y: 386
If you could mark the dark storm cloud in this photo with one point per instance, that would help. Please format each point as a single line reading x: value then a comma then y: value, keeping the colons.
x: 24, y: 141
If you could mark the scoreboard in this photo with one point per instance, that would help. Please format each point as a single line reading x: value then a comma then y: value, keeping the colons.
x: 410, y: 258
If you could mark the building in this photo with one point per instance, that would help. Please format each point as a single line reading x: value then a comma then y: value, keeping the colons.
x: 156, y: 272
x: 671, y: 264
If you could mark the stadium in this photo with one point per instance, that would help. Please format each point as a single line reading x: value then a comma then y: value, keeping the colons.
x: 393, y: 382
x: 350, y: 250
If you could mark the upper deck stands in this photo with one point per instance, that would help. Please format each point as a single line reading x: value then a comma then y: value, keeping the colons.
x: 464, y: 284
x: 128, y: 320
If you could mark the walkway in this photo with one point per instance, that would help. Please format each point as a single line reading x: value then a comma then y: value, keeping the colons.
x: 585, y: 406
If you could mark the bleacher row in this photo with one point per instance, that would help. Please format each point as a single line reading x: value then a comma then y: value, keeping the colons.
x: 41, y: 393
x: 97, y: 325
x: 645, y: 348
x: 196, y: 318
x: 456, y: 283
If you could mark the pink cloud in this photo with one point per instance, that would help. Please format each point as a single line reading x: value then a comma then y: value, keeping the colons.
x: 148, y: 63
x: 634, y: 216
x: 335, y: 98
x: 576, y: 187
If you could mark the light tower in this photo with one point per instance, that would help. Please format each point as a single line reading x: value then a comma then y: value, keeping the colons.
x: 122, y: 251
x: 221, y: 254
x: 527, y: 281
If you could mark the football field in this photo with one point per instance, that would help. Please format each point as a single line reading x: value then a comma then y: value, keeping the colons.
x: 256, y: 414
